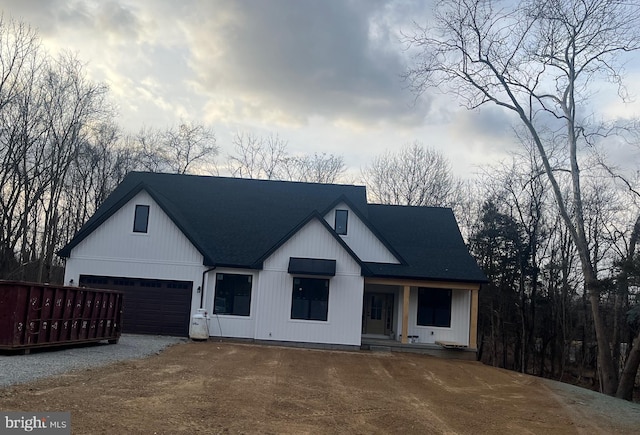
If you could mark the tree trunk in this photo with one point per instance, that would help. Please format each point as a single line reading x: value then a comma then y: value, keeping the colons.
x: 628, y: 377
x: 608, y: 373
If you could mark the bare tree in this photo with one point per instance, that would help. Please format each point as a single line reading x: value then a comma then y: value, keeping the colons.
x: 625, y: 237
x: 189, y: 148
x: 61, y: 154
x: 268, y: 158
x: 100, y: 165
x: 19, y: 46
x: 316, y: 168
x: 538, y: 60
x: 20, y: 133
x: 146, y: 145
x: 628, y: 263
x: 258, y: 157
x: 72, y: 104
x: 415, y: 175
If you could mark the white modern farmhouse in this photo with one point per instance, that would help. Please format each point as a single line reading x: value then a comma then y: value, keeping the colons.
x: 279, y: 261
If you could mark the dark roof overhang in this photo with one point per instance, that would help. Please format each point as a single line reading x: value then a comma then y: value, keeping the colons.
x: 369, y: 271
x: 314, y: 215
x: 312, y: 266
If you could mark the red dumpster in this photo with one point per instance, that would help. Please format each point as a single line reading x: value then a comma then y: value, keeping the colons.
x: 36, y: 315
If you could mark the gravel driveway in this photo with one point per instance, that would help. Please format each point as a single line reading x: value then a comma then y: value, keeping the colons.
x: 42, y: 363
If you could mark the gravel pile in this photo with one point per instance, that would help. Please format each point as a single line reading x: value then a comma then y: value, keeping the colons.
x: 42, y: 363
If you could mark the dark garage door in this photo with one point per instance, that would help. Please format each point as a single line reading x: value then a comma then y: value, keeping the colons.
x: 150, y: 306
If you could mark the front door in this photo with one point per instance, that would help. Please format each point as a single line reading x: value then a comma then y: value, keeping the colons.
x: 378, y: 312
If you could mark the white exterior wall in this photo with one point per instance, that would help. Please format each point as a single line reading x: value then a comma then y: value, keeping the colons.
x: 361, y: 240
x: 113, y: 249
x: 273, y: 301
x: 457, y: 333
x: 224, y: 325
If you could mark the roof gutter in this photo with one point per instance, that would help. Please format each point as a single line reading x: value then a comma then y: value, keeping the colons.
x: 202, y: 285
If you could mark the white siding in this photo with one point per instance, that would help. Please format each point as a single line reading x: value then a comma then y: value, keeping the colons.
x: 344, y: 322
x: 115, y: 239
x: 361, y: 240
x: 113, y: 249
x: 460, y: 312
x: 221, y: 325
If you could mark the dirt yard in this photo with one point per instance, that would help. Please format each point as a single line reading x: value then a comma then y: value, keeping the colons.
x: 215, y: 387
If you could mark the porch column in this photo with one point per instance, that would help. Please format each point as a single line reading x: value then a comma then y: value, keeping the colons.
x: 405, y: 314
x: 473, y: 321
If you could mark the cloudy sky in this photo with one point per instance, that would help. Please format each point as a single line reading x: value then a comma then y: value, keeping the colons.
x: 323, y: 75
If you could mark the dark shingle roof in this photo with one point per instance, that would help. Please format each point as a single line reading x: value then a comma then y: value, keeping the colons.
x: 429, y: 239
x: 237, y: 222
x: 231, y: 221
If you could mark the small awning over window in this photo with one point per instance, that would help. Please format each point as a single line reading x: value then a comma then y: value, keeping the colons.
x: 312, y: 266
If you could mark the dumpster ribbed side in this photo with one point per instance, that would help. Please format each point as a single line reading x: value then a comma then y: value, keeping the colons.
x: 36, y: 315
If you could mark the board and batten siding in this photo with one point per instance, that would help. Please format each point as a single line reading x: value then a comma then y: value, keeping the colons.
x: 273, y: 302
x: 457, y: 333
x: 224, y: 325
x: 113, y: 249
x: 361, y: 240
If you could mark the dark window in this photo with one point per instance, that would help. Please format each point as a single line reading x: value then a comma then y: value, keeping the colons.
x: 233, y: 294
x: 434, y: 307
x: 310, y: 299
x: 141, y: 219
x: 342, y: 216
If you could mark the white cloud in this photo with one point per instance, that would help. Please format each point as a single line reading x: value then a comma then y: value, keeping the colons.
x: 301, y: 59
x: 325, y: 75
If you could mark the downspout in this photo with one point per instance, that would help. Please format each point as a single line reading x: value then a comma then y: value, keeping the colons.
x: 202, y: 285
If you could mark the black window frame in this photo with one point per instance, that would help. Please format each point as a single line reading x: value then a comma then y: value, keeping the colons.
x: 340, y: 227
x: 434, y: 307
x: 233, y: 305
x: 141, y: 221
x: 310, y: 299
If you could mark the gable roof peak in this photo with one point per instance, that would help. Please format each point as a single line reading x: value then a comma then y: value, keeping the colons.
x: 229, y: 220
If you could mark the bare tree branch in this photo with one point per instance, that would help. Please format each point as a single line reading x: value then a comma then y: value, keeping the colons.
x: 537, y: 58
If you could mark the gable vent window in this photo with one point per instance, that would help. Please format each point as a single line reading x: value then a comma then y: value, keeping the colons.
x: 342, y: 216
x: 141, y: 219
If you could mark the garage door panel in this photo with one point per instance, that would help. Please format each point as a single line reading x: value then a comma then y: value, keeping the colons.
x: 150, y: 306
x: 145, y: 295
x: 146, y: 316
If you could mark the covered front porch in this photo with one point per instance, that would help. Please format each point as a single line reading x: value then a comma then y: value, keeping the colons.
x: 435, y: 317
